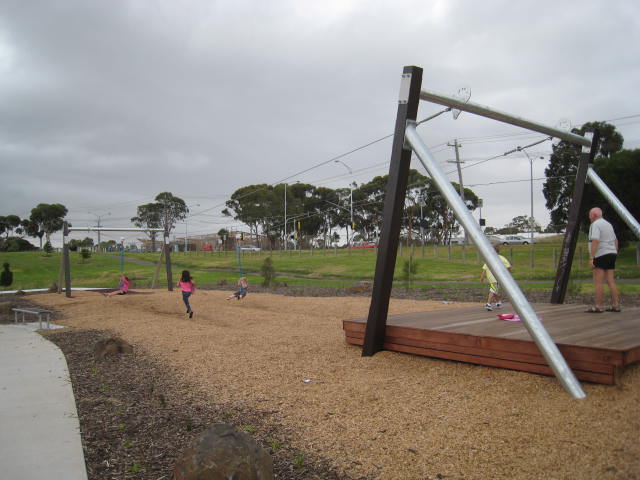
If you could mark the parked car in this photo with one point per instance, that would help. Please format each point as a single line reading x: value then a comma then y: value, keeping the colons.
x: 250, y: 248
x: 363, y: 245
x: 517, y: 240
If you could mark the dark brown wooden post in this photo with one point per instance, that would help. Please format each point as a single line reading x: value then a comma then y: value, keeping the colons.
x: 65, y: 259
x: 573, y: 223
x: 167, y: 258
x: 392, y: 216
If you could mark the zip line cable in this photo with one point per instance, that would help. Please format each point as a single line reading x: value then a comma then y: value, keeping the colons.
x: 481, y: 139
x: 325, y: 162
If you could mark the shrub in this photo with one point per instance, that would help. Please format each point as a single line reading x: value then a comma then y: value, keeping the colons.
x: 409, y: 269
x: 16, y: 244
x: 268, y: 272
x: 47, y: 248
x: 85, y: 253
x: 6, y: 276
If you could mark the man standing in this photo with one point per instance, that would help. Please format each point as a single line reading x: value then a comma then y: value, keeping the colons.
x: 603, y: 251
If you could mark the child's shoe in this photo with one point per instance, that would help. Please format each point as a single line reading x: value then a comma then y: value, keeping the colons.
x: 499, y: 305
x: 488, y: 307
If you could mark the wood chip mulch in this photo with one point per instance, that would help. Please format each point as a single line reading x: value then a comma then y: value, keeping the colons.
x: 136, y: 417
x: 278, y: 368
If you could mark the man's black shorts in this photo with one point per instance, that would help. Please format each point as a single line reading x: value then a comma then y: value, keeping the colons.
x: 606, y: 262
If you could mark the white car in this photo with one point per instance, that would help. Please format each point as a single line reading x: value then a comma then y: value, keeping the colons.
x: 250, y: 248
x: 516, y: 240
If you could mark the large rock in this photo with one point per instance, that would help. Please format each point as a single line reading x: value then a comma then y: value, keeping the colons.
x: 111, y: 346
x: 222, y: 453
x: 359, y: 287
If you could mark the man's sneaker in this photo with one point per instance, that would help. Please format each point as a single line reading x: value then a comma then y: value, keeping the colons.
x: 499, y: 305
x: 488, y: 307
x: 190, y: 314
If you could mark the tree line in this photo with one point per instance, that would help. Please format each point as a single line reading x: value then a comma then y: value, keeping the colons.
x: 45, y: 219
x: 315, y: 215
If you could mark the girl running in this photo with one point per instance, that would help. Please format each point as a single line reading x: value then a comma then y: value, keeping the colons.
x: 188, y: 288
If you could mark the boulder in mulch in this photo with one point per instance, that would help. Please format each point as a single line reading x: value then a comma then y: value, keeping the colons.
x: 359, y: 287
x: 221, y: 453
x: 111, y: 346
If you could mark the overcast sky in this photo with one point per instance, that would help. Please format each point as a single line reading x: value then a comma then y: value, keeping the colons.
x: 103, y: 105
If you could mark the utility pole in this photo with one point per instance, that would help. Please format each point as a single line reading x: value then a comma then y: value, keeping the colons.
x: 99, y: 217
x: 456, y: 145
x: 285, y: 216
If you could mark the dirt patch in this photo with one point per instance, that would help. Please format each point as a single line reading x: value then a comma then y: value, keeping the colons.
x: 280, y: 365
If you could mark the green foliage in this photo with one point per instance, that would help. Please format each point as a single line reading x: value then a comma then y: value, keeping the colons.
x: 75, y: 244
x: 298, y: 460
x: 6, y: 276
x: 562, y: 169
x: 85, y: 254
x: 268, y: 272
x: 275, y: 444
x: 621, y: 173
x: 518, y: 224
x: 48, y: 249
x: 409, y: 270
x: 16, y: 244
x: 8, y: 224
x: 164, y: 213
x: 46, y: 219
x: 249, y: 428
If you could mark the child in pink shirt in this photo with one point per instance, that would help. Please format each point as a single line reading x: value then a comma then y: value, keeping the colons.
x: 188, y: 288
x: 123, y: 287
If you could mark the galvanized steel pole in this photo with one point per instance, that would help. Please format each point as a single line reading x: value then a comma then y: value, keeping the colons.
x: 614, y: 201
x: 502, y: 117
x: 540, y: 336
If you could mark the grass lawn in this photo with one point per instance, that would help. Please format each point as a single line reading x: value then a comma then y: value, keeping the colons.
x: 437, y: 266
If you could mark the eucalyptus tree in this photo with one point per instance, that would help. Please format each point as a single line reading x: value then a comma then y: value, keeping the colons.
x: 368, y: 205
x: 9, y: 224
x: 148, y: 217
x: 251, y: 205
x: 439, y: 220
x: 436, y: 217
x: 621, y: 173
x: 46, y: 219
x: 163, y: 213
x: 563, y: 166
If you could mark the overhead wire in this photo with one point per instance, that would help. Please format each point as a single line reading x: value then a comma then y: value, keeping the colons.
x: 472, y: 140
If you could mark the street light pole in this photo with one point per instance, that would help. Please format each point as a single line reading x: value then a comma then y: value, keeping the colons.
x: 186, y: 236
x: 350, y: 199
x: 285, y: 216
x: 531, y: 220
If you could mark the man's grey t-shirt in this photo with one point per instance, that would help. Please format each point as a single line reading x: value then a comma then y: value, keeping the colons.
x: 602, y: 231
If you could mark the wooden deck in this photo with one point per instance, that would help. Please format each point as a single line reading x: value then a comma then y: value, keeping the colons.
x: 596, y: 346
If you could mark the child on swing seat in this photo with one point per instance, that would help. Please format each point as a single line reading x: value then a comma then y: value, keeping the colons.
x: 123, y: 287
x: 242, y: 289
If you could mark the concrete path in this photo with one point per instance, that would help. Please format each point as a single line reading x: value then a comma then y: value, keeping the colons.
x: 39, y: 428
